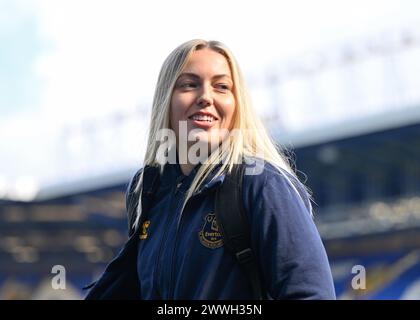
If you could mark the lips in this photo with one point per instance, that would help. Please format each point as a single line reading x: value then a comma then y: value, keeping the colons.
x: 203, y: 117
x: 203, y: 120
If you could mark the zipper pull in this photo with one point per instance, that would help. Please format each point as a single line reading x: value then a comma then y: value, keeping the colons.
x: 178, y: 184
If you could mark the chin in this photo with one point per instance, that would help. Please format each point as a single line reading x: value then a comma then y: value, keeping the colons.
x: 202, y: 137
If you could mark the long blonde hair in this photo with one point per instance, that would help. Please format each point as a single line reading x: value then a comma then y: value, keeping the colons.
x: 254, y: 141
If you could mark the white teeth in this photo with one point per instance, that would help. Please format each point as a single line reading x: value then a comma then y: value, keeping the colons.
x: 202, y: 118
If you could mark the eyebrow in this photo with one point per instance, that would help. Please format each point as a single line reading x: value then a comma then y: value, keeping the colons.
x: 193, y: 75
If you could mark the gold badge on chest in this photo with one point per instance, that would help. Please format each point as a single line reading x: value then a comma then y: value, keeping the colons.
x: 210, y: 235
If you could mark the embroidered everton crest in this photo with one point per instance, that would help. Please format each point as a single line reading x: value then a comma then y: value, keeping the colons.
x: 210, y: 235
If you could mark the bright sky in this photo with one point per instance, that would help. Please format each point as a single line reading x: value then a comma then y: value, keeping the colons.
x: 64, y: 61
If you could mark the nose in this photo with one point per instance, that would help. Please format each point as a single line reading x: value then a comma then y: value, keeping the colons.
x: 205, y: 98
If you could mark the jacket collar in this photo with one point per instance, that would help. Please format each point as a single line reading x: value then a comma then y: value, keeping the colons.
x: 211, y: 181
x: 172, y: 174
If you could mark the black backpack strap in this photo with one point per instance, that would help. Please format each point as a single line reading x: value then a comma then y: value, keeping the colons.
x: 233, y: 223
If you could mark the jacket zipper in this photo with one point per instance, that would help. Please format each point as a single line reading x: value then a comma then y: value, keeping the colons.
x: 162, y: 242
x: 172, y: 270
x: 179, y: 224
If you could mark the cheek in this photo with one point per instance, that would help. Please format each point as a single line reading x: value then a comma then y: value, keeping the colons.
x: 179, y: 106
x: 175, y: 112
x: 228, y: 107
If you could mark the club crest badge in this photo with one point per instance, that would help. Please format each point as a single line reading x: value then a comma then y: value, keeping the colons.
x: 210, y: 235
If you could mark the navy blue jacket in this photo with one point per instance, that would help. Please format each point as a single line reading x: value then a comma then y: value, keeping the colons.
x: 174, y: 256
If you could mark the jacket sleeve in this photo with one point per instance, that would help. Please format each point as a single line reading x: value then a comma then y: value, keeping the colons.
x: 291, y: 255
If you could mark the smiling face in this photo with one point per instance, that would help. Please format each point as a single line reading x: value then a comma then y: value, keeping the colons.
x: 203, y: 97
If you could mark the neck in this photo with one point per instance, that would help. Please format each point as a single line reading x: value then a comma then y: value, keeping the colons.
x: 186, y: 168
x: 184, y: 164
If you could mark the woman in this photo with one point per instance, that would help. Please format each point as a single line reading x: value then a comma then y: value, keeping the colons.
x: 176, y: 250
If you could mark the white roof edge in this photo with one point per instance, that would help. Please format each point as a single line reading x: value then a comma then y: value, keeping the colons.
x: 373, y: 123
x: 351, y: 128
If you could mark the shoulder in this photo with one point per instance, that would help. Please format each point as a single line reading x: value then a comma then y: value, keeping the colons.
x: 259, y: 173
x: 148, y: 174
x: 264, y: 182
x: 132, y: 186
x: 133, y: 180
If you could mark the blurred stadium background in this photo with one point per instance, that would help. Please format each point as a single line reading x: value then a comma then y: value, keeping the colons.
x: 348, y: 114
